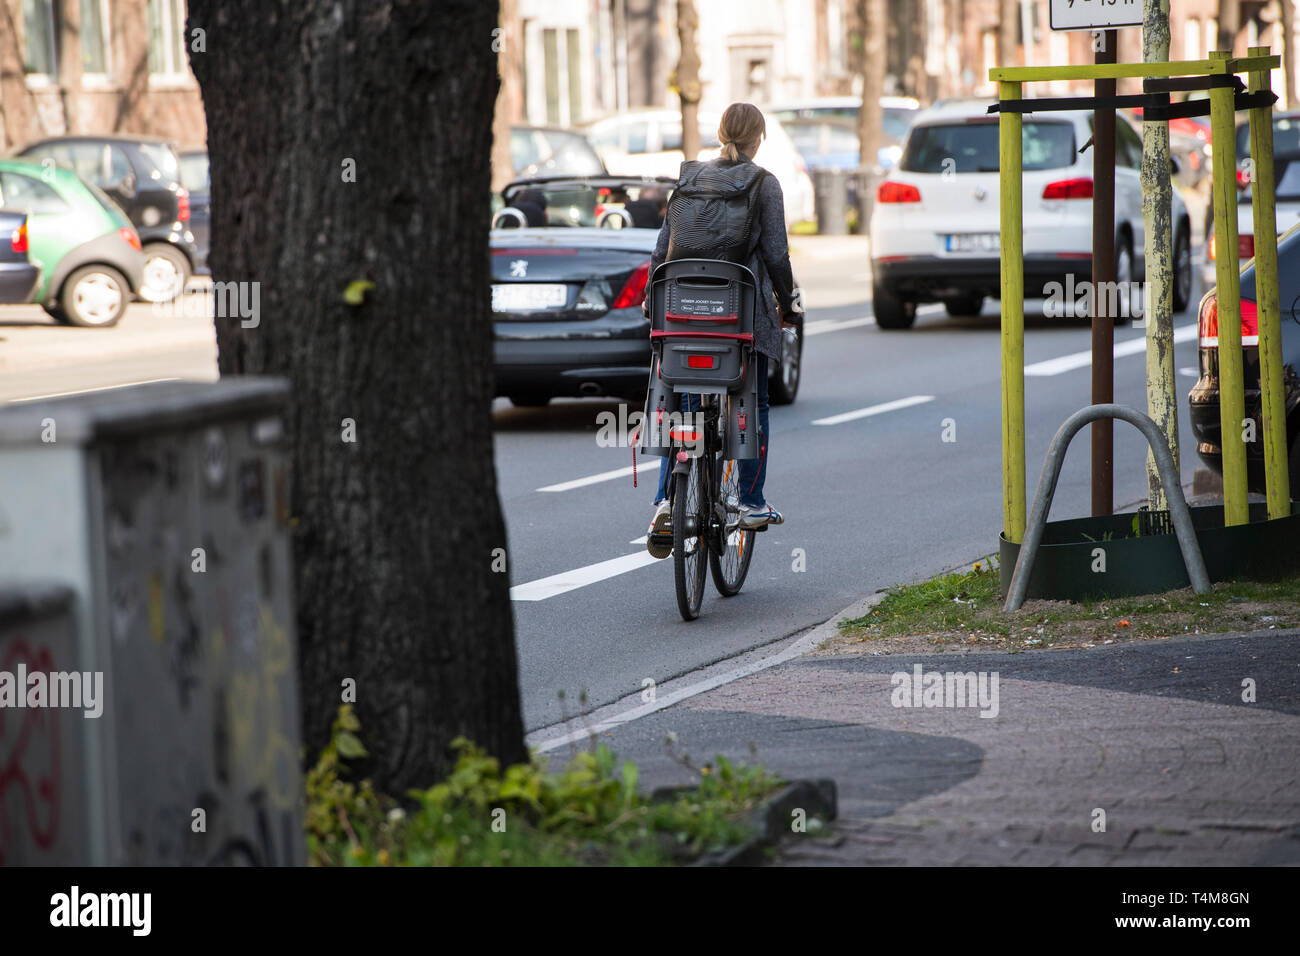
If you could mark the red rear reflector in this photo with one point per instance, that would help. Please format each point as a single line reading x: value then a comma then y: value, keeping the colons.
x: 701, y: 361
x: 633, y: 293
x: 1080, y: 188
x: 897, y: 192
x: 679, y: 435
x: 133, y: 240
x: 18, y: 238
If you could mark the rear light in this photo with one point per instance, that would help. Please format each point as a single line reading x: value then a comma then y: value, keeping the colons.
x: 18, y: 238
x: 633, y: 293
x: 678, y: 435
x: 130, y: 236
x: 1080, y: 188
x: 1207, y: 323
x: 1245, y: 247
x: 700, y: 361
x: 897, y: 192
x: 1243, y: 179
x: 182, y: 204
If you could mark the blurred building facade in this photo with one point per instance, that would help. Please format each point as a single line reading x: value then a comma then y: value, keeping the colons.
x: 96, y: 66
x: 585, y: 59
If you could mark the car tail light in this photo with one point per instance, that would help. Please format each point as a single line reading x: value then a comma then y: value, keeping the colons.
x: 633, y: 293
x: 1079, y: 188
x: 130, y: 236
x: 182, y: 204
x: 18, y: 238
x: 1207, y: 323
x: 897, y: 192
x: 1245, y: 247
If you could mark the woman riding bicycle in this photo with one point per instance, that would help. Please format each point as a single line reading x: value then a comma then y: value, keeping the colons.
x: 740, y: 132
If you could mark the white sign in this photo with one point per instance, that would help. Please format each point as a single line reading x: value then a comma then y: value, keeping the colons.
x: 1095, y: 14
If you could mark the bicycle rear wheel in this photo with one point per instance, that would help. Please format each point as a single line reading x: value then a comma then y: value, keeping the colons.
x: 690, y: 526
x: 729, y: 563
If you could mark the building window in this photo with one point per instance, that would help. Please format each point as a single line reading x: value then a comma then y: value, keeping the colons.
x: 38, y: 23
x: 1192, y: 39
x: 551, y: 63
x: 167, y: 40
x: 573, y: 53
x: 94, y: 38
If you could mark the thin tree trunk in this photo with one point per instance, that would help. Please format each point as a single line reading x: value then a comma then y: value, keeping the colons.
x: 509, y: 105
x: 1157, y: 190
x: 1229, y: 22
x: 1008, y: 19
x: 349, y: 144
x: 688, y: 77
x: 874, y: 27
x: 1286, y: 22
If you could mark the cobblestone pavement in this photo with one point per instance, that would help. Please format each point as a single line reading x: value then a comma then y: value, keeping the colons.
x: 1153, y: 735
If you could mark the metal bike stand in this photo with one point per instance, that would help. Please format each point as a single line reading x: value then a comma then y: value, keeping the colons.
x: 1178, y: 510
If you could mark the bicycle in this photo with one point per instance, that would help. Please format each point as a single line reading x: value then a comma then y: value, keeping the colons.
x: 706, y: 445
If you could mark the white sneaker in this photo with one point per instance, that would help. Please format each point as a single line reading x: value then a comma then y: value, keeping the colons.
x: 660, y: 524
x: 753, y: 518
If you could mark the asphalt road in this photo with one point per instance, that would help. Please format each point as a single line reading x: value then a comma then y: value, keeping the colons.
x: 870, y: 501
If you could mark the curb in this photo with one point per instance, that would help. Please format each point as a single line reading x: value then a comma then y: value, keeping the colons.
x: 771, y: 821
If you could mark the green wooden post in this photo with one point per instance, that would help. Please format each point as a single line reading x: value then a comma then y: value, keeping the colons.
x: 1232, y: 400
x: 1013, y: 317
x: 1273, y: 392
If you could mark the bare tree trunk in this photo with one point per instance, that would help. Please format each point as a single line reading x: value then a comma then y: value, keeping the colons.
x: 1286, y: 22
x: 1008, y: 19
x: 13, y: 85
x: 1157, y: 190
x: 688, y: 77
x: 509, y: 45
x: 68, y: 43
x: 350, y: 144
x: 1229, y: 23
x: 871, y: 117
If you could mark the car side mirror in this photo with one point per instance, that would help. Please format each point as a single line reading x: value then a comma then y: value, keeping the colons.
x: 509, y: 218
x: 125, y: 186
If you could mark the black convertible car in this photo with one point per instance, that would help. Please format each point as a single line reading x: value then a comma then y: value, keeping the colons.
x: 570, y: 261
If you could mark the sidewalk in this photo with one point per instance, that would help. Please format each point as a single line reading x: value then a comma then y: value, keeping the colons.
x: 1153, y: 733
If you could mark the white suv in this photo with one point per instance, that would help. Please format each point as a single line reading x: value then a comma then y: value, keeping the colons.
x: 935, y: 224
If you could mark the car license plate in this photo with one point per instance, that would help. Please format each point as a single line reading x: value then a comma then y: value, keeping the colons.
x: 528, y: 296
x: 971, y: 242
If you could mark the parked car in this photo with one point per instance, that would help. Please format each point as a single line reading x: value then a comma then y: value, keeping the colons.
x: 570, y: 262
x: 1203, y: 399
x: 18, y: 274
x: 935, y: 226
x: 142, y: 175
x: 89, y: 254
x: 1286, y: 183
x: 826, y: 124
x: 198, y: 183
x: 649, y: 143
x: 551, y: 151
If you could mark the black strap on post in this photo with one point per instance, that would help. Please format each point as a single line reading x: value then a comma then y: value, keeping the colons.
x: 1154, y: 105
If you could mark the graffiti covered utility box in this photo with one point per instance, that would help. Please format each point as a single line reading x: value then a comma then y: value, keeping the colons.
x: 162, y: 512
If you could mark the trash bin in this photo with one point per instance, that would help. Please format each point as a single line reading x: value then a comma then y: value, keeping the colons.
x: 164, y: 510
x: 831, y: 197
x: 863, y: 183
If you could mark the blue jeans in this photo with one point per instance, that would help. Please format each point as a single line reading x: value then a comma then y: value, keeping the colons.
x: 752, y: 471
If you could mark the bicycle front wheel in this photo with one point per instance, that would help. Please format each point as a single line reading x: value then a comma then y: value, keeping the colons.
x: 729, y: 563
x: 690, y: 525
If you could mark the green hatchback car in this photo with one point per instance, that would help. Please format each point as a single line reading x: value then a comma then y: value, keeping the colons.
x: 89, y: 255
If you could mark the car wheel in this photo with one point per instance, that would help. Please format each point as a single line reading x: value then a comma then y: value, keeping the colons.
x: 1124, y: 278
x: 94, y: 297
x: 964, y: 305
x: 784, y: 384
x: 1182, y: 270
x: 166, y: 270
x: 891, y: 311
x: 529, y: 400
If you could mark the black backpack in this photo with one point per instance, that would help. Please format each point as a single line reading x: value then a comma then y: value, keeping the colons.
x: 711, y: 213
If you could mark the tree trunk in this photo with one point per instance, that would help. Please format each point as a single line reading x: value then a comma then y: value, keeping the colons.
x: 1286, y: 22
x: 13, y: 85
x: 509, y: 105
x: 871, y: 117
x: 1229, y: 23
x: 1008, y: 20
x: 350, y: 142
x: 1157, y: 191
x: 688, y: 77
